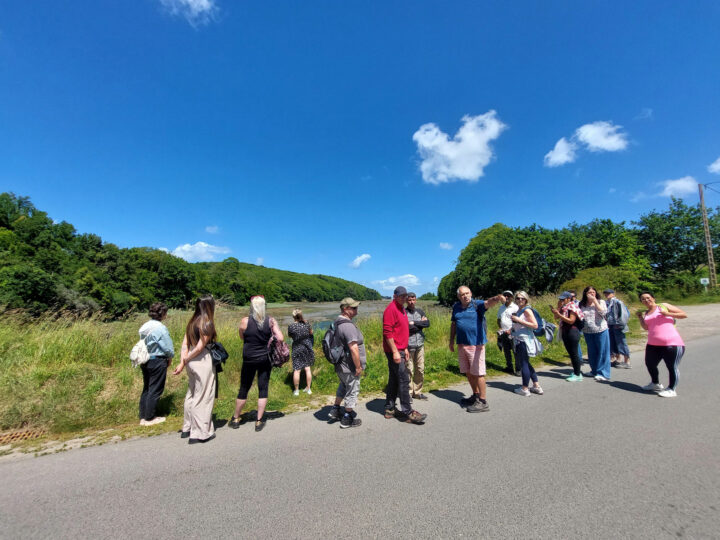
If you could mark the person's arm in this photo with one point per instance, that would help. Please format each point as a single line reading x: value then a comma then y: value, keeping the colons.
x: 275, y: 328
x: 452, y: 337
x: 490, y: 302
x: 183, y: 356
x: 355, y: 356
x: 424, y: 322
x: 641, y: 316
x: 674, y: 311
x: 389, y: 324
x: 243, y: 327
x: 527, y: 319
x: 600, y: 306
x: 166, y: 345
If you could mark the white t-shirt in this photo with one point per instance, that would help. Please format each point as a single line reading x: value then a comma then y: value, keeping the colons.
x: 504, y: 313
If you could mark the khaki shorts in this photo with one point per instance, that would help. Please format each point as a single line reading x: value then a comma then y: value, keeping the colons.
x: 472, y: 359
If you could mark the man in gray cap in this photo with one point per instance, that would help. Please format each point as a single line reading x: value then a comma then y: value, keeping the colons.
x: 396, y: 334
x: 350, y: 368
x: 505, y: 311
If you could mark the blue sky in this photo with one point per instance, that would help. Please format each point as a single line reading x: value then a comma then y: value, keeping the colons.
x: 311, y: 135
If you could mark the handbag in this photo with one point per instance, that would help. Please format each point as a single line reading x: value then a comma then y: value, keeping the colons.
x: 278, y: 352
x: 218, y: 354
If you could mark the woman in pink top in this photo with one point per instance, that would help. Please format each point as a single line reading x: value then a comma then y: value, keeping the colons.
x: 664, y: 342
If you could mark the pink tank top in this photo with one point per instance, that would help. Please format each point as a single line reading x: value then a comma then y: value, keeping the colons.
x: 661, y: 329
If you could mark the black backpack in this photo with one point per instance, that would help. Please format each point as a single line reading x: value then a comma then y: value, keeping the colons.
x: 333, y: 349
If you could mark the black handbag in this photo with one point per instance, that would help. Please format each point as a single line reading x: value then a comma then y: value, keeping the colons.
x: 218, y: 354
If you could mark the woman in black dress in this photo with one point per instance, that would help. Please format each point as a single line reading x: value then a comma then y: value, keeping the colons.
x: 303, y: 356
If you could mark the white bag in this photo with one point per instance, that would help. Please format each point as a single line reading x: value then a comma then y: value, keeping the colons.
x: 139, y: 354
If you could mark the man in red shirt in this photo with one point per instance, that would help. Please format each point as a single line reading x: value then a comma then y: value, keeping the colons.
x: 396, y: 333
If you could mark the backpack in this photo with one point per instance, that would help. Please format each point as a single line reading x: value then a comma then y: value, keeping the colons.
x: 278, y: 352
x: 139, y: 354
x: 332, y: 347
x: 540, y: 330
x: 624, y: 315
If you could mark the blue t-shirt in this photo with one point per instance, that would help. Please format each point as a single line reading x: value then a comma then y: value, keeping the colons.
x: 470, y: 325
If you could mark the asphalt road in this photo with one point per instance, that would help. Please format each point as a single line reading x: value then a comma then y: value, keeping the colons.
x: 600, y: 460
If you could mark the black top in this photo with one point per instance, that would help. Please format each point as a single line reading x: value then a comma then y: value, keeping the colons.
x: 256, y: 340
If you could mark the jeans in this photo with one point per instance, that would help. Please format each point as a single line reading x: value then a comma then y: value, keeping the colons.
x: 506, y: 346
x: 398, y: 384
x: 526, y: 369
x: 599, y: 353
x: 618, y: 343
x: 154, y: 372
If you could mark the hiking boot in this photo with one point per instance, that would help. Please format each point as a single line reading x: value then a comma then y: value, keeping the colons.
x: 464, y: 402
x: 390, y: 413
x: 349, y: 421
x: 260, y: 424
x: 235, y: 423
x: 413, y: 418
x: 335, y: 414
x: 479, y: 406
x: 422, y: 397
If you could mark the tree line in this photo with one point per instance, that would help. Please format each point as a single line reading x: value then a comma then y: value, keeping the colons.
x: 49, y: 266
x: 661, y: 251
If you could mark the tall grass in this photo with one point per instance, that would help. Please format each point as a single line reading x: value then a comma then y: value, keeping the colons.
x: 72, y: 375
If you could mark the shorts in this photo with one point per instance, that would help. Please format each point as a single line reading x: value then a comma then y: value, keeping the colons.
x: 472, y: 359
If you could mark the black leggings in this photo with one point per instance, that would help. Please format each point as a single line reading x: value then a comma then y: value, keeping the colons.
x: 251, y: 366
x: 671, y: 355
x: 571, y: 338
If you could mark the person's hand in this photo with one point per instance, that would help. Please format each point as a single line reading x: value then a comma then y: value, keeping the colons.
x: 179, y: 368
x: 358, y: 371
x: 451, y: 345
x: 411, y: 323
x: 515, y: 318
x: 396, y: 357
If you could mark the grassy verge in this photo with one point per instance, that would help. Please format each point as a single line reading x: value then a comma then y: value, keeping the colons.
x: 74, y: 377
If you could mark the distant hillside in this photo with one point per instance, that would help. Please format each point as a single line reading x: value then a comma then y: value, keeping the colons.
x: 48, y: 266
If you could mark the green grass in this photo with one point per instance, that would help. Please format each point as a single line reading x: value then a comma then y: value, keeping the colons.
x: 74, y: 376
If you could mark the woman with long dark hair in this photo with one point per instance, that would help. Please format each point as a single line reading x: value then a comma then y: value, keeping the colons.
x: 200, y: 397
x: 255, y: 331
x: 596, y: 333
x: 664, y: 343
x: 570, y: 318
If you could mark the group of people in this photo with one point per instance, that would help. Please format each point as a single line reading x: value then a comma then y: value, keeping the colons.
x: 603, y: 324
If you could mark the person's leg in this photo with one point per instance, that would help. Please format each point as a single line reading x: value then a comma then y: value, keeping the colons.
x: 296, y: 379
x: 623, y: 349
x: 521, y: 354
x: 392, y: 385
x: 603, y: 354
x: 474, y: 384
x: 571, y: 340
x: 143, y: 396
x: 410, y: 368
x: 247, y: 374
x: 506, y: 345
x: 263, y: 386
x: 157, y: 371
x: 579, y: 351
x: 592, y: 347
x: 190, y: 400
x: 403, y: 385
x: 672, y: 357
x: 419, y: 373
x: 653, y: 355
x: 308, y: 376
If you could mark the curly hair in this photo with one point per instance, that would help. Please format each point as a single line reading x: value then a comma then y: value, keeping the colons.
x: 157, y: 311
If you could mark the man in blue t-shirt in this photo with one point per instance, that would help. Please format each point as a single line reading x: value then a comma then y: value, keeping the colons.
x: 469, y: 326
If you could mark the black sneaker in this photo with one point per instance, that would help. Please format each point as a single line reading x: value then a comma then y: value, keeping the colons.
x: 335, y: 414
x: 348, y: 421
x: 413, y: 417
x: 260, y: 424
x: 478, y: 406
x: 235, y: 423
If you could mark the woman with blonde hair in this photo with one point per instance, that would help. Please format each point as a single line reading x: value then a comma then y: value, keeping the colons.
x: 200, y: 397
x: 524, y: 323
x: 255, y: 331
x: 303, y: 356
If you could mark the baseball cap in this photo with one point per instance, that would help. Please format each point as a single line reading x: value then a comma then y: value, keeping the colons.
x: 564, y: 295
x: 348, y: 302
x: 609, y: 291
x: 508, y: 293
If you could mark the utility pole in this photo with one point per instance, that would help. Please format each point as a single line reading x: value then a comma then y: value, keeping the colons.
x: 708, y: 242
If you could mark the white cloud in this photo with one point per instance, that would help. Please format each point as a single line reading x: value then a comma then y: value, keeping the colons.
x: 259, y: 261
x: 390, y: 283
x: 564, y: 152
x: 199, y: 251
x: 678, y: 188
x: 212, y: 229
x: 602, y: 137
x: 196, y: 12
x: 436, y: 279
x: 445, y: 245
x: 166, y: 250
x: 357, y: 261
x: 464, y: 156
x: 714, y: 167
x: 645, y: 114
x: 612, y: 190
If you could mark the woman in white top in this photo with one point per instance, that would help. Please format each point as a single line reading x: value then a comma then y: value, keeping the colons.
x: 596, y: 333
x: 524, y: 323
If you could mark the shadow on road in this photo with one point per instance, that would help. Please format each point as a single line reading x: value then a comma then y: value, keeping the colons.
x: 628, y: 387
x: 322, y: 414
x: 555, y: 373
x: 503, y: 385
x: 552, y: 362
x: 451, y: 395
x: 376, y: 405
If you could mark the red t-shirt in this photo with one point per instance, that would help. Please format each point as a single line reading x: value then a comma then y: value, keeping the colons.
x: 395, y: 326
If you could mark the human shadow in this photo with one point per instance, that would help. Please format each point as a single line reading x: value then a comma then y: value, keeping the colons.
x: 555, y: 374
x: 451, y: 395
x: 322, y: 414
x: 500, y: 385
x: 628, y: 387
x: 218, y: 423
x: 552, y: 362
x: 165, y: 406
x: 376, y: 405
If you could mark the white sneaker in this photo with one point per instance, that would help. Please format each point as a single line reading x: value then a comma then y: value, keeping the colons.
x: 652, y: 387
x: 308, y: 391
x: 537, y: 390
x: 521, y: 391
x: 668, y: 393
x: 156, y: 420
x: 296, y: 393
x: 600, y: 378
